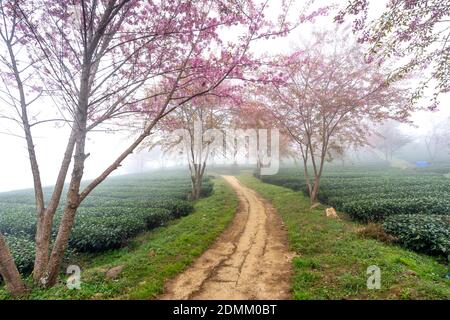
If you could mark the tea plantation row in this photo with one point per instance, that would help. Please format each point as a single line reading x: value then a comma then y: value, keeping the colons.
x: 413, y: 205
x: 116, y: 211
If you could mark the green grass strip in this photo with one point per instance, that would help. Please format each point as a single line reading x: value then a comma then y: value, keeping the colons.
x: 332, y: 259
x: 153, y: 257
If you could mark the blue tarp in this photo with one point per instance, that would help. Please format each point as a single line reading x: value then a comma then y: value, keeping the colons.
x: 422, y: 164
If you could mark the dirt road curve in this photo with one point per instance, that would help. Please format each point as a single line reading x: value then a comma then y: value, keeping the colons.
x: 250, y: 260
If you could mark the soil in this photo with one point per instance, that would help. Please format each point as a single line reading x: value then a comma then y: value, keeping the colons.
x: 249, y: 260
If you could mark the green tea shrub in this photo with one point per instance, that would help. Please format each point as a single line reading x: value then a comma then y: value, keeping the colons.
x: 424, y: 233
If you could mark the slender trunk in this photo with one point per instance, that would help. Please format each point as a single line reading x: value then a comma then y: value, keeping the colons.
x: 73, y: 194
x: 70, y: 210
x: 60, y: 246
x: 9, y: 272
x: 306, y: 174
x: 315, y: 190
x: 318, y: 176
x: 196, y: 183
x: 197, y: 188
x: 41, y: 248
x: 200, y: 178
x: 193, y: 186
x: 44, y: 228
x: 258, y: 168
x: 195, y: 192
x: 258, y: 156
x: 199, y: 185
x: 197, y: 173
x: 27, y: 130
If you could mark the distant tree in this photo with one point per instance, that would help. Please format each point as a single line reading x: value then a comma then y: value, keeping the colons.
x: 390, y: 139
x: 253, y: 114
x: 437, y: 138
x: 337, y: 151
x: 416, y: 31
x: 327, y: 99
x: 196, y: 132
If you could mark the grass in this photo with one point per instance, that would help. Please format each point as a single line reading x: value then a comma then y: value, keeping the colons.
x: 332, y: 257
x: 152, y: 257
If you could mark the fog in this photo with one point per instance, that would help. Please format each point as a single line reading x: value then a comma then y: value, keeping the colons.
x: 104, y: 147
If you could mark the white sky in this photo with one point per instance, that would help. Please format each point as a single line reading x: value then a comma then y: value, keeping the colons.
x: 50, y: 142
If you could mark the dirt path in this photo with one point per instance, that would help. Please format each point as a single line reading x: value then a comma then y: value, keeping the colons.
x: 250, y: 260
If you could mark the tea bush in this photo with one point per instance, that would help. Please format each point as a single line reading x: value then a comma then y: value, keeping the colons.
x: 424, y: 233
x: 101, y: 233
x: 401, y: 198
x: 18, y: 221
x: 116, y: 211
x: 378, y: 209
x: 23, y: 251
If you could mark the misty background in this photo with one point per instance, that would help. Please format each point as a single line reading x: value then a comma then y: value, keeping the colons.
x: 103, y: 146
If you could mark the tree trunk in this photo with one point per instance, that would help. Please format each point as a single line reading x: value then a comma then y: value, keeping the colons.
x: 197, y: 180
x: 44, y: 228
x: 42, y: 244
x: 199, y: 187
x: 196, y: 190
x: 307, y: 180
x: 9, y: 272
x: 258, y: 169
x: 67, y: 222
x: 315, y: 191
x: 59, y: 248
x: 73, y: 194
x: 72, y: 203
x: 74, y: 197
x: 197, y: 172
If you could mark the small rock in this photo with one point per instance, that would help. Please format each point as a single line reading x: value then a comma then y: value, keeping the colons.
x: 331, y: 213
x: 113, y: 273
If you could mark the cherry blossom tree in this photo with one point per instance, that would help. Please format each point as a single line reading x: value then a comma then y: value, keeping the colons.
x: 196, y: 131
x: 389, y: 138
x: 415, y: 31
x: 329, y: 96
x: 253, y: 114
x: 97, y: 60
x: 436, y: 139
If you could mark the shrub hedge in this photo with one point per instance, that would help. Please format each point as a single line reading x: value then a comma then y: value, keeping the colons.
x: 375, y: 210
x: 401, y: 198
x: 424, y: 233
x: 23, y: 250
x: 115, y: 212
